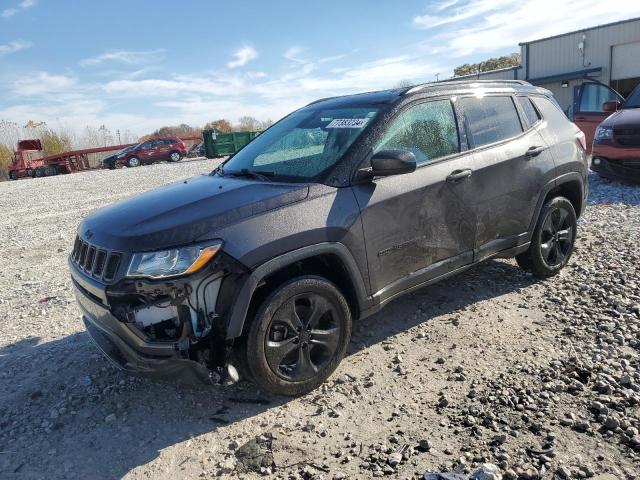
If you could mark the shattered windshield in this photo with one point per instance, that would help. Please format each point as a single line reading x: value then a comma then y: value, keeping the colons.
x: 303, y: 145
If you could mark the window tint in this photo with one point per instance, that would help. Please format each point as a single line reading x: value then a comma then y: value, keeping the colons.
x: 531, y: 115
x: 594, y: 95
x: 428, y: 130
x: 489, y: 119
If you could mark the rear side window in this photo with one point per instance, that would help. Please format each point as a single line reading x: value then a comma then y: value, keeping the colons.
x: 489, y: 119
x: 531, y: 115
x: 428, y: 130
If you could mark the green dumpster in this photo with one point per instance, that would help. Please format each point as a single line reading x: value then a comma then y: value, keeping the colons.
x: 217, y: 144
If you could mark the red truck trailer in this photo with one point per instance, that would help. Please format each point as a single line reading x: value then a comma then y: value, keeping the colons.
x: 27, y: 161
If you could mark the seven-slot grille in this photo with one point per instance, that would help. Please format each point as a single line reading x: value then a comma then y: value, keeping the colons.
x: 97, y: 262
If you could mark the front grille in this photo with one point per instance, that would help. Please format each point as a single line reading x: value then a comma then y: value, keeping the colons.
x: 95, y: 261
x: 629, y: 137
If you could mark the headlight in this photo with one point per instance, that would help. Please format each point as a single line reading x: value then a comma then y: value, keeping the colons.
x: 604, y: 133
x: 120, y: 155
x: 170, y: 263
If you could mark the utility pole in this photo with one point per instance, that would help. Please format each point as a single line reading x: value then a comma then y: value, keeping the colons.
x: 118, y: 133
x: 437, y: 76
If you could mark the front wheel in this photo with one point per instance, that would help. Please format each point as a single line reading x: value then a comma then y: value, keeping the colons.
x: 133, y: 162
x: 13, y: 175
x: 553, y: 239
x: 298, y: 337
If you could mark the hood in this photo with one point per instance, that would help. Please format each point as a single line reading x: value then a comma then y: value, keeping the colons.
x: 625, y: 118
x: 185, y: 212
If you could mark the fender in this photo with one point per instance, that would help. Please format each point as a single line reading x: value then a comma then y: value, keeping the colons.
x: 555, y: 183
x: 243, y: 299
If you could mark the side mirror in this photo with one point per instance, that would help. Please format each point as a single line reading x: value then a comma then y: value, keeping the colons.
x: 612, y: 106
x: 392, y: 162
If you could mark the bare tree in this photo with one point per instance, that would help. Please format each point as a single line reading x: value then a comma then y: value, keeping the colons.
x: 248, y: 124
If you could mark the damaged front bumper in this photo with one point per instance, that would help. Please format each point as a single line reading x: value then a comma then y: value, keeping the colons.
x: 189, y: 348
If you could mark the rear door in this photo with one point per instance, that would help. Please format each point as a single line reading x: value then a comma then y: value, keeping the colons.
x: 510, y: 157
x: 163, y: 149
x: 588, y: 111
x: 419, y: 225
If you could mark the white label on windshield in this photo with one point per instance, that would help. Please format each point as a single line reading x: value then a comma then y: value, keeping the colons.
x: 348, y: 123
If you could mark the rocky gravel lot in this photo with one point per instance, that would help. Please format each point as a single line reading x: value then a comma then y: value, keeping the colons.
x: 541, y: 379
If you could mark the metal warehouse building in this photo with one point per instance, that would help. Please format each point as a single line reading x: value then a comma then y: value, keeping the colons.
x: 607, y: 53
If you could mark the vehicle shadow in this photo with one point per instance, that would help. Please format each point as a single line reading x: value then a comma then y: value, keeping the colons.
x: 65, y: 410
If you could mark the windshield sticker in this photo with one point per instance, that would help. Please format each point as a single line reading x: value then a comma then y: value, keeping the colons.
x: 348, y: 123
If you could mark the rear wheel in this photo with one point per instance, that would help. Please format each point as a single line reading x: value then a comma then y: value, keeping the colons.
x: 133, y: 162
x: 553, y: 239
x: 13, y: 175
x: 298, y: 337
x: 175, y: 157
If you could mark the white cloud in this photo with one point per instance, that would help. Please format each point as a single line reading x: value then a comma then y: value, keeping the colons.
x: 23, y: 5
x: 294, y: 54
x: 13, y: 47
x: 490, y: 25
x: 242, y: 57
x: 123, y: 56
x: 43, y: 83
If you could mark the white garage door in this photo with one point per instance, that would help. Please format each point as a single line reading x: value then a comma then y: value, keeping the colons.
x: 625, y: 61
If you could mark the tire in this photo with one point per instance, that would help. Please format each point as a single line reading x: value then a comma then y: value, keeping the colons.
x: 553, y: 239
x: 13, y: 175
x: 285, y: 351
x: 133, y: 162
x: 175, y: 156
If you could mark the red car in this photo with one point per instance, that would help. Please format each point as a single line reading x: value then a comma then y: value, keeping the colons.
x: 171, y: 149
x: 612, y: 127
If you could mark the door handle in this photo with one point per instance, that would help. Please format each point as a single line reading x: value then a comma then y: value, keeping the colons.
x: 459, y: 175
x: 534, y: 151
x: 580, y: 118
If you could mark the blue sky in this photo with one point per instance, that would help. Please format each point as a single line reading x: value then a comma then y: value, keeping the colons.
x: 139, y: 65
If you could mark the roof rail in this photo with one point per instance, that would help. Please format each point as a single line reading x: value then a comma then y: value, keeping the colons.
x: 422, y: 86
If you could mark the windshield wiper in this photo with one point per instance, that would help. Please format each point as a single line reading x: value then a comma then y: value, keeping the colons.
x: 263, y: 176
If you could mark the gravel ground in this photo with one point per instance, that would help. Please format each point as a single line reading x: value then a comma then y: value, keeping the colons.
x: 539, y: 378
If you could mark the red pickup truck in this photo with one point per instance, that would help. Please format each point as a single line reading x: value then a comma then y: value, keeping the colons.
x: 612, y: 127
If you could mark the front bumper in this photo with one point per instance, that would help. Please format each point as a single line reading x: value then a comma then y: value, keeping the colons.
x: 615, y: 170
x: 128, y: 351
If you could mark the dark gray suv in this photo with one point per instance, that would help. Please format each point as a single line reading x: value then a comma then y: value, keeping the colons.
x: 331, y: 213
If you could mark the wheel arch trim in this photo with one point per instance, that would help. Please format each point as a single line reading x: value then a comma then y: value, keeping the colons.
x: 558, y: 182
x: 242, y: 301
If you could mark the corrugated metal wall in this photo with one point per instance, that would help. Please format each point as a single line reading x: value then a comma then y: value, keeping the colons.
x: 561, y: 54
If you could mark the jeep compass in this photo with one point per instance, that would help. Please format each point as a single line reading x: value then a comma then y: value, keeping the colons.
x: 342, y: 206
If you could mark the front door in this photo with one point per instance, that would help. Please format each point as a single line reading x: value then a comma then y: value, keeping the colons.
x: 588, y: 111
x: 421, y: 225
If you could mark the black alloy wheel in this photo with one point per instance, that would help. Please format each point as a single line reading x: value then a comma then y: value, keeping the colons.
x: 298, y: 337
x: 303, y: 337
x: 557, y: 236
x: 553, y: 239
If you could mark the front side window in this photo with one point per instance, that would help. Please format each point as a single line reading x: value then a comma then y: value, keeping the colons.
x: 489, y: 119
x: 303, y: 145
x: 594, y: 95
x: 428, y: 130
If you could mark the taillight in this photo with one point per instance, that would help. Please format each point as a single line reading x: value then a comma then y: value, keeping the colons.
x: 582, y: 139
